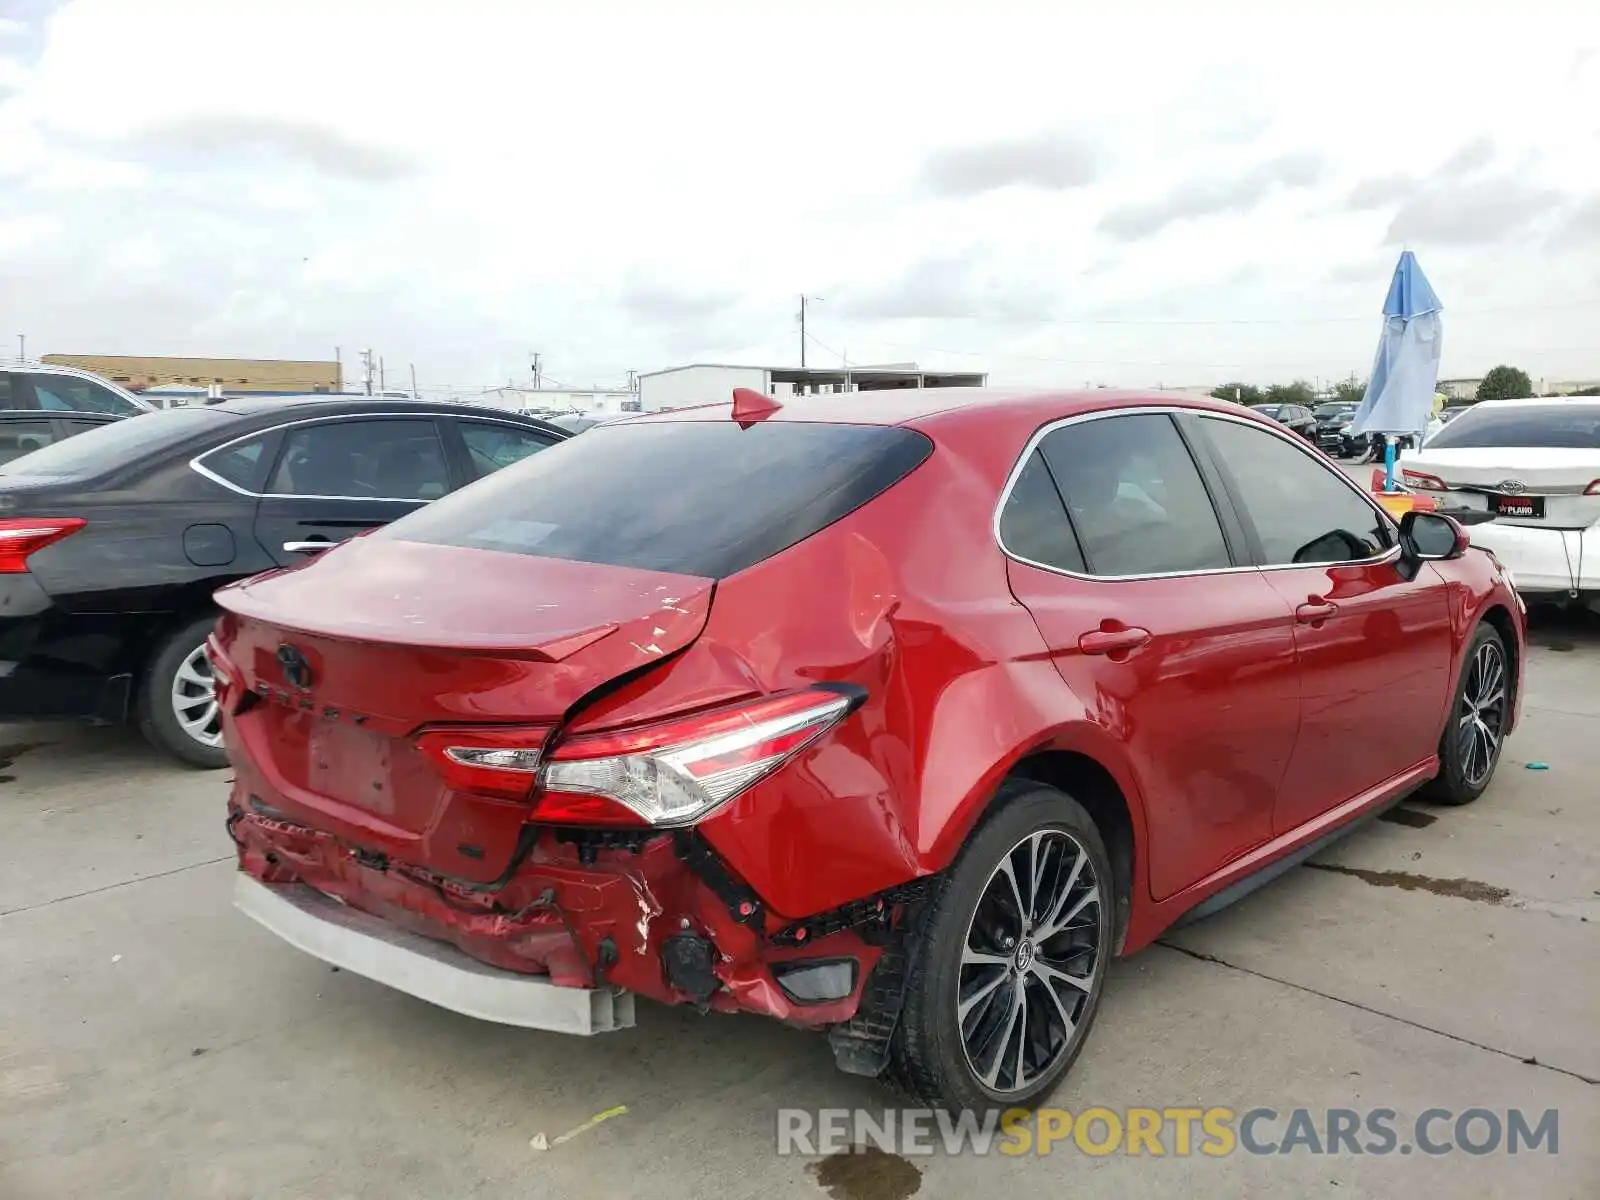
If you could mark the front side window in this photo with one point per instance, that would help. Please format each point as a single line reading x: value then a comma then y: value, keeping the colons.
x: 1034, y: 523
x: 68, y: 393
x: 1302, y: 512
x: 363, y: 460
x: 493, y: 446
x: 1135, y: 496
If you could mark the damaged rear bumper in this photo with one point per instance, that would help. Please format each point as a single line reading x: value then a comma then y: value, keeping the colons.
x: 422, y: 967
x: 567, y: 939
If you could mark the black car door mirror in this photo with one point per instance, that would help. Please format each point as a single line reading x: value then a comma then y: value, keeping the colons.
x: 1431, y: 536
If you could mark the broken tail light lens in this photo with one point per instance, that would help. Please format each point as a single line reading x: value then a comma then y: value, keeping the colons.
x: 1422, y: 481
x: 677, y: 772
x: 22, y: 536
x: 491, y: 761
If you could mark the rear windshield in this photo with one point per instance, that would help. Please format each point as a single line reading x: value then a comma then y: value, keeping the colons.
x: 1557, y: 426
x: 690, y: 497
x: 1268, y: 410
x: 1333, y: 410
x: 108, y: 446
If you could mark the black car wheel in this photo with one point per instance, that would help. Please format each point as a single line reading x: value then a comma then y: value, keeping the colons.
x: 178, y: 709
x: 1013, y: 960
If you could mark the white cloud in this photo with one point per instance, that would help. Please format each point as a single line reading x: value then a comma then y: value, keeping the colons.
x: 624, y: 184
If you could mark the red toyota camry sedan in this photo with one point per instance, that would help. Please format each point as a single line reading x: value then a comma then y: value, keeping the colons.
x: 891, y: 715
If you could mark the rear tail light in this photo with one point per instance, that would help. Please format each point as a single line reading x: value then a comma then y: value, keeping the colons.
x: 1422, y: 481
x: 1593, y: 489
x: 22, y: 536
x: 677, y: 772
x: 495, y: 761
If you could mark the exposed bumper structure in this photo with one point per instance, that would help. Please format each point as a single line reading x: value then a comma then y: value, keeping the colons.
x: 424, y: 968
x: 1545, y: 561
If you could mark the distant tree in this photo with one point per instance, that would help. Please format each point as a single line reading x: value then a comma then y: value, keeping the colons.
x: 1351, y: 391
x: 1298, y: 392
x: 1591, y: 391
x: 1244, y: 393
x: 1505, y: 383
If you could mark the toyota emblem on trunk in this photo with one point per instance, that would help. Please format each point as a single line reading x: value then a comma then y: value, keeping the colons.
x: 296, y: 669
x: 1511, y: 487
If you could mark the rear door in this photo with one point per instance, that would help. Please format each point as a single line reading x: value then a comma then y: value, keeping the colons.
x: 1374, y: 648
x: 1134, y: 570
x: 336, y: 477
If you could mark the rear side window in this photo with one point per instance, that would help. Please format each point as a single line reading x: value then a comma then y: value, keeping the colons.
x: 1135, y: 496
x: 68, y: 393
x: 18, y: 438
x: 1558, y: 426
x: 10, y: 394
x: 692, y: 497
x: 119, y: 443
x: 1034, y: 524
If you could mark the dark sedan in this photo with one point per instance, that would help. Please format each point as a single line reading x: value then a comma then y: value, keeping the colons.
x: 112, y: 542
x: 1293, y: 416
x: 1333, y: 425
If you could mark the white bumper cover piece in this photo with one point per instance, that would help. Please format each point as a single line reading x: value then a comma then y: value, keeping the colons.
x: 1544, y: 560
x: 424, y: 968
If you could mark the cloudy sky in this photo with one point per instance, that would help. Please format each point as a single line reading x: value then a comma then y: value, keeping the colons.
x: 1134, y: 193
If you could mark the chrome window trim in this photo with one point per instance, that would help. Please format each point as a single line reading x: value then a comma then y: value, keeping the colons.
x: 198, y: 466
x: 1274, y: 430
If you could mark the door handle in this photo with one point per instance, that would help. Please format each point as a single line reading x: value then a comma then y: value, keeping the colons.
x: 1315, y: 609
x: 310, y: 547
x: 1109, y: 641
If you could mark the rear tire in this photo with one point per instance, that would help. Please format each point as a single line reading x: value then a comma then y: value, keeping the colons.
x: 177, y: 706
x: 1001, y: 995
x: 1474, y: 735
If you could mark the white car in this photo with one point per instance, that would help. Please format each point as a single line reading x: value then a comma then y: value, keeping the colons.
x: 1534, y: 464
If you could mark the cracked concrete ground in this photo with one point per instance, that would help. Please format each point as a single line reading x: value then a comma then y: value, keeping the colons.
x: 154, y: 1043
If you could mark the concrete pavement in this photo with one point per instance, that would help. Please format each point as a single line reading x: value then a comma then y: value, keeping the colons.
x: 153, y: 1043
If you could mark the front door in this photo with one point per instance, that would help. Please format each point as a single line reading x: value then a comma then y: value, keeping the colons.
x: 339, y: 477
x: 1374, y: 647
x: 1179, y: 652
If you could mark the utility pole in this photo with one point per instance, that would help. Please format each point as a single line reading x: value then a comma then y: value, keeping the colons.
x: 383, y: 378
x: 338, y: 358
x: 802, y: 332
x: 366, y: 369
x: 536, y: 356
x: 414, y: 394
x: 22, y: 345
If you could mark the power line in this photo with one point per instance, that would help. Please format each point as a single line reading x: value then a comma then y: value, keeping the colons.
x: 1161, y: 322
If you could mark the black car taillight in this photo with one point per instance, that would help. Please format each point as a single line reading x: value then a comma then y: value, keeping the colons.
x: 22, y: 536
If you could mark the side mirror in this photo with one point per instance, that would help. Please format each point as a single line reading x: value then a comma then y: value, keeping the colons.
x: 1431, y: 536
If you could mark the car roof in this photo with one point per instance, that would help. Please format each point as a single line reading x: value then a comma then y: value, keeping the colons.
x: 301, y: 407
x: 949, y: 409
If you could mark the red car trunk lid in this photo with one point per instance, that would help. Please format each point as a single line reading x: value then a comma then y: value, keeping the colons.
x: 351, y: 656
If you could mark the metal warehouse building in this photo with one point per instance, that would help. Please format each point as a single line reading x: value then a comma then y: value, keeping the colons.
x: 707, y: 383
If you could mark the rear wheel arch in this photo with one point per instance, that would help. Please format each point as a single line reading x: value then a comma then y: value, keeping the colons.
x: 1094, y: 787
x: 1063, y: 762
